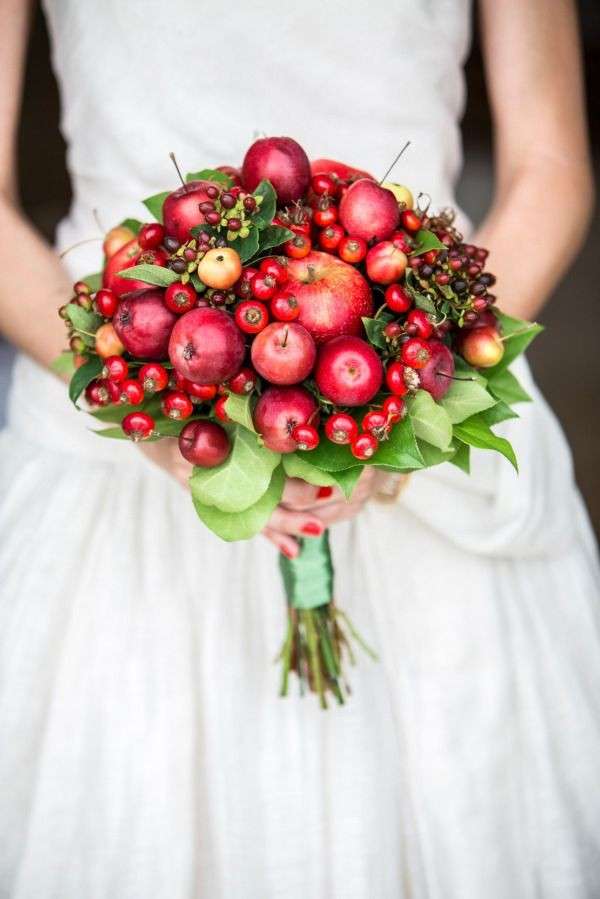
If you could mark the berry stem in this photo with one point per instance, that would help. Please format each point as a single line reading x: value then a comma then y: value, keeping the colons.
x: 177, y: 169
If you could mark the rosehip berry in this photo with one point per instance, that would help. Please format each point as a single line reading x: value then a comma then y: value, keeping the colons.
x: 220, y: 409
x: 180, y: 298
x: 242, y: 286
x: 419, y: 324
x: 249, y: 204
x: 402, y: 242
x: 151, y: 236
x: 251, y: 316
x: 392, y: 330
x: 284, y: 306
x: 352, y: 249
x: 298, y: 247
x: 323, y: 184
x: 397, y: 298
x: 177, y: 405
x: 138, y: 425
x: 410, y: 221
x: 153, y: 377
x: 263, y: 286
x: 430, y: 257
x: 204, y: 392
x: 115, y: 368
x: 394, y: 408
x: 395, y: 379
x: 132, y: 392
x: 325, y: 216
x: 415, y: 353
x: 244, y: 382
x: 376, y: 423
x: 341, y: 428
x: 276, y: 268
x: 112, y: 389
x: 331, y: 237
x: 106, y: 302
x: 95, y: 394
x: 153, y: 257
x: 306, y: 437
x: 364, y: 446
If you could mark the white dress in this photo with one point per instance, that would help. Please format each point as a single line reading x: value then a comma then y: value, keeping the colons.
x: 144, y: 752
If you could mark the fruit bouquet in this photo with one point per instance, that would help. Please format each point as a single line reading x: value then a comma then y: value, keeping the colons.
x: 294, y: 319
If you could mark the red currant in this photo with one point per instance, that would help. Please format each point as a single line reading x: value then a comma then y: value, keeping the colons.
x: 251, y: 316
x: 177, y: 405
x: 180, y: 298
x: 330, y: 237
x: 394, y: 409
x: 244, y: 382
x: 263, y: 286
x: 276, y: 268
x: 284, y: 306
x: 242, y: 287
x: 352, y: 249
x: 306, y: 437
x: 410, y: 221
x: 132, y: 392
x: 203, y: 392
x: 397, y: 298
x: 415, y: 353
x: 418, y: 324
x: 153, y: 377
x: 151, y: 236
x: 364, y: 446
x: 220, y: 409
x: 298, y: 247
x: 376, y: 423
x: 395, y: 380
x: 341, y: 428
x: 115, y: 368
x: 323, y: 184
x: 106, y: 302
x: 138, y: 425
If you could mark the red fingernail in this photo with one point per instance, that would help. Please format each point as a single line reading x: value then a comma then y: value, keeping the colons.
x: 287, y: 552
x: 324, y: 492
x: 312, y: 529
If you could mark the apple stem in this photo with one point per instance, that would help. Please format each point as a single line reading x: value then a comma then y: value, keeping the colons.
x: 405, y: 147
x: 78, y: 244
x: 285, y: 337
x: 177, y: 169
x: 310, y: 271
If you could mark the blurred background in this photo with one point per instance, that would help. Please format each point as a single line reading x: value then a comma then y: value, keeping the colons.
x: 565, y: 360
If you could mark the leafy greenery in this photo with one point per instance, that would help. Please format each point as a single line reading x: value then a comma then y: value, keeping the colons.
x: 517, y: 335
x: 347, y: 479
x: 476, y: 432
x: 296, y: 466
x: 430, y: 421
x: 462, y: 457
x: 82, y: 377
x: 465, y: 398
x: 239, y: 409
x: 94, y: 282
x: 432, y: 455
x: 426, y: 240
x: 248, y: 246
x: 374, y: 331
x: 151, y: 274
x: 265, y: 192
x: 232, y: 526
x: 63, y: 364
x: 209, y: 175
x: 133, y: 225
x: 273, y: 236
x: 154, y: 204
x: 82, y: 320
x: 506, y: 387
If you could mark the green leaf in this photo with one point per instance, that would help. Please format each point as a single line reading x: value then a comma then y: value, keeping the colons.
x: 432, y: 455
x: 476, y: 432
x: 400, y: 451
x: 267, y: 208
x: 462, y: 457
x: 243, y: 525
x: 239, y: 409
x: 273, y: 236
x: 465, y: 398
x: 330, y: 456
x: 94, y: 282
x: 505, y: 386
x: 82, y: 320
x: 430, y: 421
x: 63, y: 364
x: 296, y: 466
x: 374, y: 330
x: 422, y: 301
x: 241, y: 480
x: 424, y: 241
x: 464, y: 370
x: 83, y: 376
x: 347, y: 479
x: 133, y: 225
x: 247, y: 247
x: 151, y: 274
x: 154, y: 204
x: 209, y: 175
x: 517, y: 335
x: 497, y: 413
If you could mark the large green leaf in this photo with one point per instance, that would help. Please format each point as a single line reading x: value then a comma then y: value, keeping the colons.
x: 157, y: 275
x: 476, y: 432
x: 505, y: 386
x: 266, y: 210
x: 432, y: 455
x: 273, y: 236
x: 239, y: 409
x: 430, y: 421
x: 500, y: 412
x: 241, y: 480
x: 517, y: 335
x: 94, y: 281
x: 83, y: 376
x: 82, y: 320
x: 63, y: 364
x: 247, y: 247
x: 400, y: 451
x: 243, y: 525
x: 154, y: 204
x: 424, y: 241
x: 347, y: 479
x: 209, y: 175
x: 462, y: 457
x: 296, y: 466
x: 465, y: 398
x: 374, y: 331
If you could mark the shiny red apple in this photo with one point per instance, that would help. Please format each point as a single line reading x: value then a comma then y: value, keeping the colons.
x: 181, y: 210
x: 277, y: 413
x: 206, y: 346
x: 348, y: 371
x: 144, y: 324
x: 436, y: 376
x: 204, y: 443
x: 124, y: 258
x: 284, y: 353
x: 281, y: 161
x: 369, y: 211
x: 385, y: 263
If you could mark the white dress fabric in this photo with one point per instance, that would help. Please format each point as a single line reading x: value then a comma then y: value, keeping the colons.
x: 143, y: 749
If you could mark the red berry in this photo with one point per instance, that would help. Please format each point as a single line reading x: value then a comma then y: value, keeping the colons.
x: 138, y: 425
x: 113, y: 389
x: 153, y: 257
x: 263, y: 286
x: 203, y: 392
x: 180, y: 298
x: 415, y: 353
x: 409, y: 220
x: 106, y: 302
x: 244, y: 382
x: 330, y: 237
x: 352, y: 249
x: 132, y: 392
x: 323, y: 184
x: 376, y: 423
x: 177, y: 405
x: 220, y: 409
x: 394, y: 409
x: 242, y: 287
x: 341, y: 428
x: 305, y: 436
x: 298, y: 247
x: 204, y: 443
x: 153, y: 377
x: 284, y: 306
x: 392, y: 330
x: 397, y: 298
x: 402, y: 242
x: 115, y: 368
x: 277, y: 268
x: 251, y: 316
x: 325, y: 216
x: 419, y: 324
x: 95, y: 394
x: 430, y: 257
x: 151, y: 236
x: 395, y: 380
x: 364, y: 446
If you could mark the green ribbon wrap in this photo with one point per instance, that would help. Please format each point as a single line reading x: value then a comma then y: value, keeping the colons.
x: 308, y: 579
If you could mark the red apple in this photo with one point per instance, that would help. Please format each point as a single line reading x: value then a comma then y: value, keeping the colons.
x: 482, y: 347
x: 277, y: 413
x: 144, y: 324
x: 436, y: 376
x: 180, y: 209
x: 124, y: 258
x: 385, y: 263
x: 369, y: 211
x: 332, y: 295
x: 281, y: 161
x: 338, y: 169
x: 204, y: 443
x: 348, y: 371
x: 206, y: 346
x: 284, y: 353
x: 115, y: 239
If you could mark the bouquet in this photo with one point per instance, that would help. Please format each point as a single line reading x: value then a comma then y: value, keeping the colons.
x: 294, y: 319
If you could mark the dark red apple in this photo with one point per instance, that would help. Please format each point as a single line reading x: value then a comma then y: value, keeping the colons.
x: 385, y: 263
x: 281, y: 161
x: 277, y: 413
x: 284, y: 353
x: 338, y: 169
x: 436, y: 376
x: 144, y: 324
x: 482, y: 347
x: 369, y: 211
x: 332, y: 295
x: 348, y: 371
x: 206, y: 346
x: 204, y: 443
x: 124, y: 258
x: 181, y: 210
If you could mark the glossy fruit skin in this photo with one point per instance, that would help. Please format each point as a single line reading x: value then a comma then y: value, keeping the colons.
x: 153, y: 377
x: 394, y: 408
x: 132, y: 392
x: 138, y: 425
x: 95, y: 394
x: 306, y: 437
x: 206, y: 346
x: 395, y: 379
x: 340, y: 170
x: 106, y: 302
x: 263, y: 286
x: 376, y: 423
x: 348, y: 371
x: 402, y: 241
x: 151, y: 235
x: 364, y: 446
x: 278, y: 411
x: 298, y: 247
x: 180, y: 209
x: 124, y: 258
x: 242, y: 287
x: 180, y: 298
x: 115, y: 239
x: 330, y: 237
x: 204, y: 392
x: 419, y: 324
x: 341, y: 428
x: 322, y: 185
x: 284, y: 353
x: 108, y: 342
x: 281, y: 161
x: 436, y: 375
x: 177, y: 405
x: 410, y: 221
x: 115, y: 368
x: 220, y: 268
x: 397, y: 298
x: 251, y: 316
x: 204, y: 443
x: 244, y: 382
x: 144, y: 324
x: 332, y: 295
x: 485, y: 319
x: 385, y: 263
x: 276, y: 268
x: 352, y: 249
x: 482, y: 347
x: 325, y: 216
x: 368, y: 210
x: 284, y: 306
x: 219, y: 409
x: 415, y: 353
